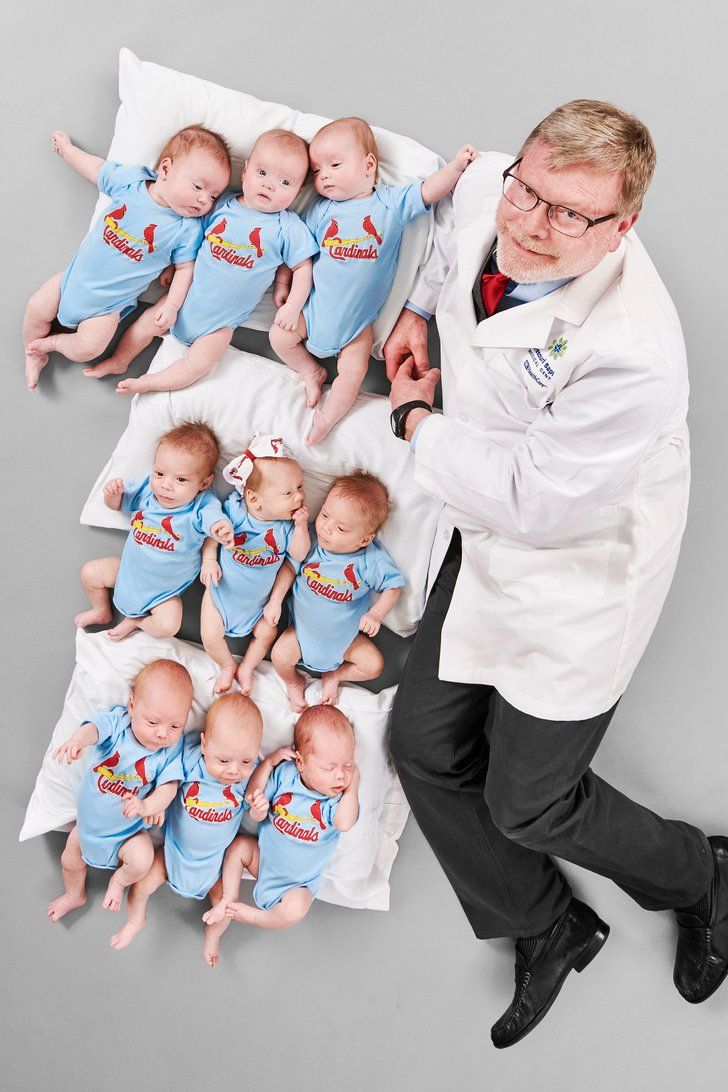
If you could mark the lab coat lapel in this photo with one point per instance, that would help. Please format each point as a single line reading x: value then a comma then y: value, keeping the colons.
x: 474, y: 243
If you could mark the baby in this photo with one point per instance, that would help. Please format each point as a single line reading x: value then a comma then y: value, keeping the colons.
x: 314, y: 795
x: 202, y: 820
x: 247, y: 236
x: 270, y: 523
x: 359, y: 229
x: 332, y: 618
x: 131, y: 777
x: 173, y: 512
x: 154, y: 221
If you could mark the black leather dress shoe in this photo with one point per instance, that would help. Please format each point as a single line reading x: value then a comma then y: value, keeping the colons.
x: 701, y: 962
x: 574, y: 940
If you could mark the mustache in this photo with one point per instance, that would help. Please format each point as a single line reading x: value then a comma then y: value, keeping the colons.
x: 528, y: 243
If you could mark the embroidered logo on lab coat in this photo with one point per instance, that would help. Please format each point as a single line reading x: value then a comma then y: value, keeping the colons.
x: 557, y: 348
x: 537, y: 368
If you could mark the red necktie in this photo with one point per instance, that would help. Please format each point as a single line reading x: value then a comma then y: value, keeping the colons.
x: 492, y: 289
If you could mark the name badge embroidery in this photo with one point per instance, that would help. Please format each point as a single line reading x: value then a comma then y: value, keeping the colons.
x: 537, y: 367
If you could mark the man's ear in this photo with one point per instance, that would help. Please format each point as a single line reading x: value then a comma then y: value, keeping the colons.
x: 624, y: 225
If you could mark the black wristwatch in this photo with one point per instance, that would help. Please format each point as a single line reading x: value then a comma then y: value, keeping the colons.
x: 399, y: 416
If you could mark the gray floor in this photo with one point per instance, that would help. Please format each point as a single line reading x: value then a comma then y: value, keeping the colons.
x: 352, y: 999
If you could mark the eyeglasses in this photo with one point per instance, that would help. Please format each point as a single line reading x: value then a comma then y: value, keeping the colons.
x: 561, y: 219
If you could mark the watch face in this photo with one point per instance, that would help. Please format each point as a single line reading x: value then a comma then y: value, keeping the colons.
x: 395, y: 420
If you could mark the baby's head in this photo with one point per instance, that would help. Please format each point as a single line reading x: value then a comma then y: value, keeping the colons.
x: 231, y: 739
x: 268, y: 478
x: 344, y: 159
x: 274, y: 171
x: 192, y: 171
x: 184, y: 463
x: 355, y: 508
x: 323, y: 740
x: 160, y: 702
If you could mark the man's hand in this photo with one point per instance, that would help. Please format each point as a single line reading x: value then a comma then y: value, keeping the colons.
x: 70, y: 751
x: 409, y: 337
x: 165, y: 316
x: 259, y: 805
x: 210, y: 573
x: 223, y: 532
x: 406, y: 389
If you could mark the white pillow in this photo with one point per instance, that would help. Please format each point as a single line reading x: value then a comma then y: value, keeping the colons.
x: 358, y: 874
x: 245, y: 394
x: 157, y: 101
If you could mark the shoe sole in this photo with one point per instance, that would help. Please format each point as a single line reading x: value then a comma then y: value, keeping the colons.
x: 591, y: 950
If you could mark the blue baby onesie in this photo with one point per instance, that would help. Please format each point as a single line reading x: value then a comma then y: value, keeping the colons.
x: 118, y: 767
x: 296, y: 839
x: 331, y: 594
x: 202, y: 821
x: 125, y: 249
x: 236, y: 264
x: 249, y: 569
x: 355, y: 268
x: 163, y: 552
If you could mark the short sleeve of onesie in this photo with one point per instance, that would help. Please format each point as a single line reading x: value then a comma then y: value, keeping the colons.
x: 297, y: 241
x: 191, y: 236
x: 108, y: 724
x: 381, y: 571
x: 404, y: 201
x: 115, y: 177
x: 209, y: 512
x: 131, y: 497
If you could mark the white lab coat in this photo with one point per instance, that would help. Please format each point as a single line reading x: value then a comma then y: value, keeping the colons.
x: 566, y: 474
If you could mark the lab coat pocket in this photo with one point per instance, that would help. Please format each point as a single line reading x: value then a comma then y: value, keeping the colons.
x: 523, y: 391
x: 577, y: 568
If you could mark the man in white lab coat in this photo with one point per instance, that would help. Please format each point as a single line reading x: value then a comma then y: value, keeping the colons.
x: 562, y: 461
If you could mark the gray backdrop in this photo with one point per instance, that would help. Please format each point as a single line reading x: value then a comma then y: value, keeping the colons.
x: 352, y: 999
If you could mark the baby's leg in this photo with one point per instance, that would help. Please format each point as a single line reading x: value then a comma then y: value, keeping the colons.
x: 98, y: 577
x: 292, y: 908
x: 136, y: 856
x: 137, y: 899
x: 288, y: 346
x: 352, y: 367
x: 362, y: 661
x: 41, y: 309
x: 164, y: 621
x: 212, y: 631
x: 89, y: 340
x: 285, y: 655
x: 132, y: 342
x: 74, y: 870
x: 201, y: 358
x: 242, y: 853
x: 264, y: 634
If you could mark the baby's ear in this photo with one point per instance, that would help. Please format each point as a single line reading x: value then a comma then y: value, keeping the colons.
x: 207, y: 481
x: 369, y: 538
x: 163, y: 168
x: 202, y: 741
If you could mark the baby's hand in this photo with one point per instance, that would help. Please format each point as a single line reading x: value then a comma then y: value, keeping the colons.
x: 210, y: 572
x: 301, y: 516
x: 281, y: 291
x: 156, y: 820
x: 287, y: 317
x: 61, y: 142
x: 370, y: 623
x: 132, y: 808
x: 165, y: 277
x: 259, y: 805
x: 232, y: 910
x: 223, y: 532
x: 166, y: 316
x: 217, y: 914
x: 113, y: 488
x: 70, y: 750
x: 272, y: 612
x: 130, y: 386
x: 283, y: 754
x: 464, y: 157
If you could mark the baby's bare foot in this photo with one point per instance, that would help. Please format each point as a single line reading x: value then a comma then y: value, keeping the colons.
x: 34, y: 365
x: 313, y: 381
x: 110, y: 366
x: 296, y: 694
x: 92, y: 617
x: 63, y: 904
x: 225, y: 679
x: 114, y: 894
x: 212, y: 947
x: 124, y: 628
x: 216, y: 914
x: 126, y: 934
x: 320, y: 428
x: 244, y: 676
x: 330, y: 690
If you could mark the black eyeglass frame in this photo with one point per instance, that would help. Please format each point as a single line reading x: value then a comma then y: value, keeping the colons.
x: 540, y: 201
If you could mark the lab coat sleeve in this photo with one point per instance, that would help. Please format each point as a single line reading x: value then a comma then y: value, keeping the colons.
x: 433, y: 270
x: 573, y: 458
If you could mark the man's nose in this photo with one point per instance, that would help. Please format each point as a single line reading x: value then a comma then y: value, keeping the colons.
x: 536, y: 221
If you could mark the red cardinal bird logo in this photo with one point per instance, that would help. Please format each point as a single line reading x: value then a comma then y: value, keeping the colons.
x: 193, y: 792
x: 370, y: 228
x: 148, y: 234
x: 316, y: 813
x: 167, y: 524
x: 270, y: 540
x: 117, y: 214
x: 350, y: 575
x: 332, y: 232
x: 228, y: 793
x: 276, y: 443
x: 255, y: 240
x: 218, y: 228
x: 241, y: 539
x: 141, y: 772
x: 108, y: 763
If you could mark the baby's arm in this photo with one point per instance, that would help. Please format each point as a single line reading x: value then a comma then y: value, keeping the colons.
x: 223, y: 532
x: 166, y: 314
x: 281, y: 285
x: 347, y: 812
x: 73, y: 747
x: 281, y: 587
x: 259, y: 777
x: 288, y: 313
x: 374, y: 617
x: 86, y: 164
x: 300, y: 542
x: 443, y: 181
x: 152, y: 807
x: 113, y: 494
x: 210, y: 571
